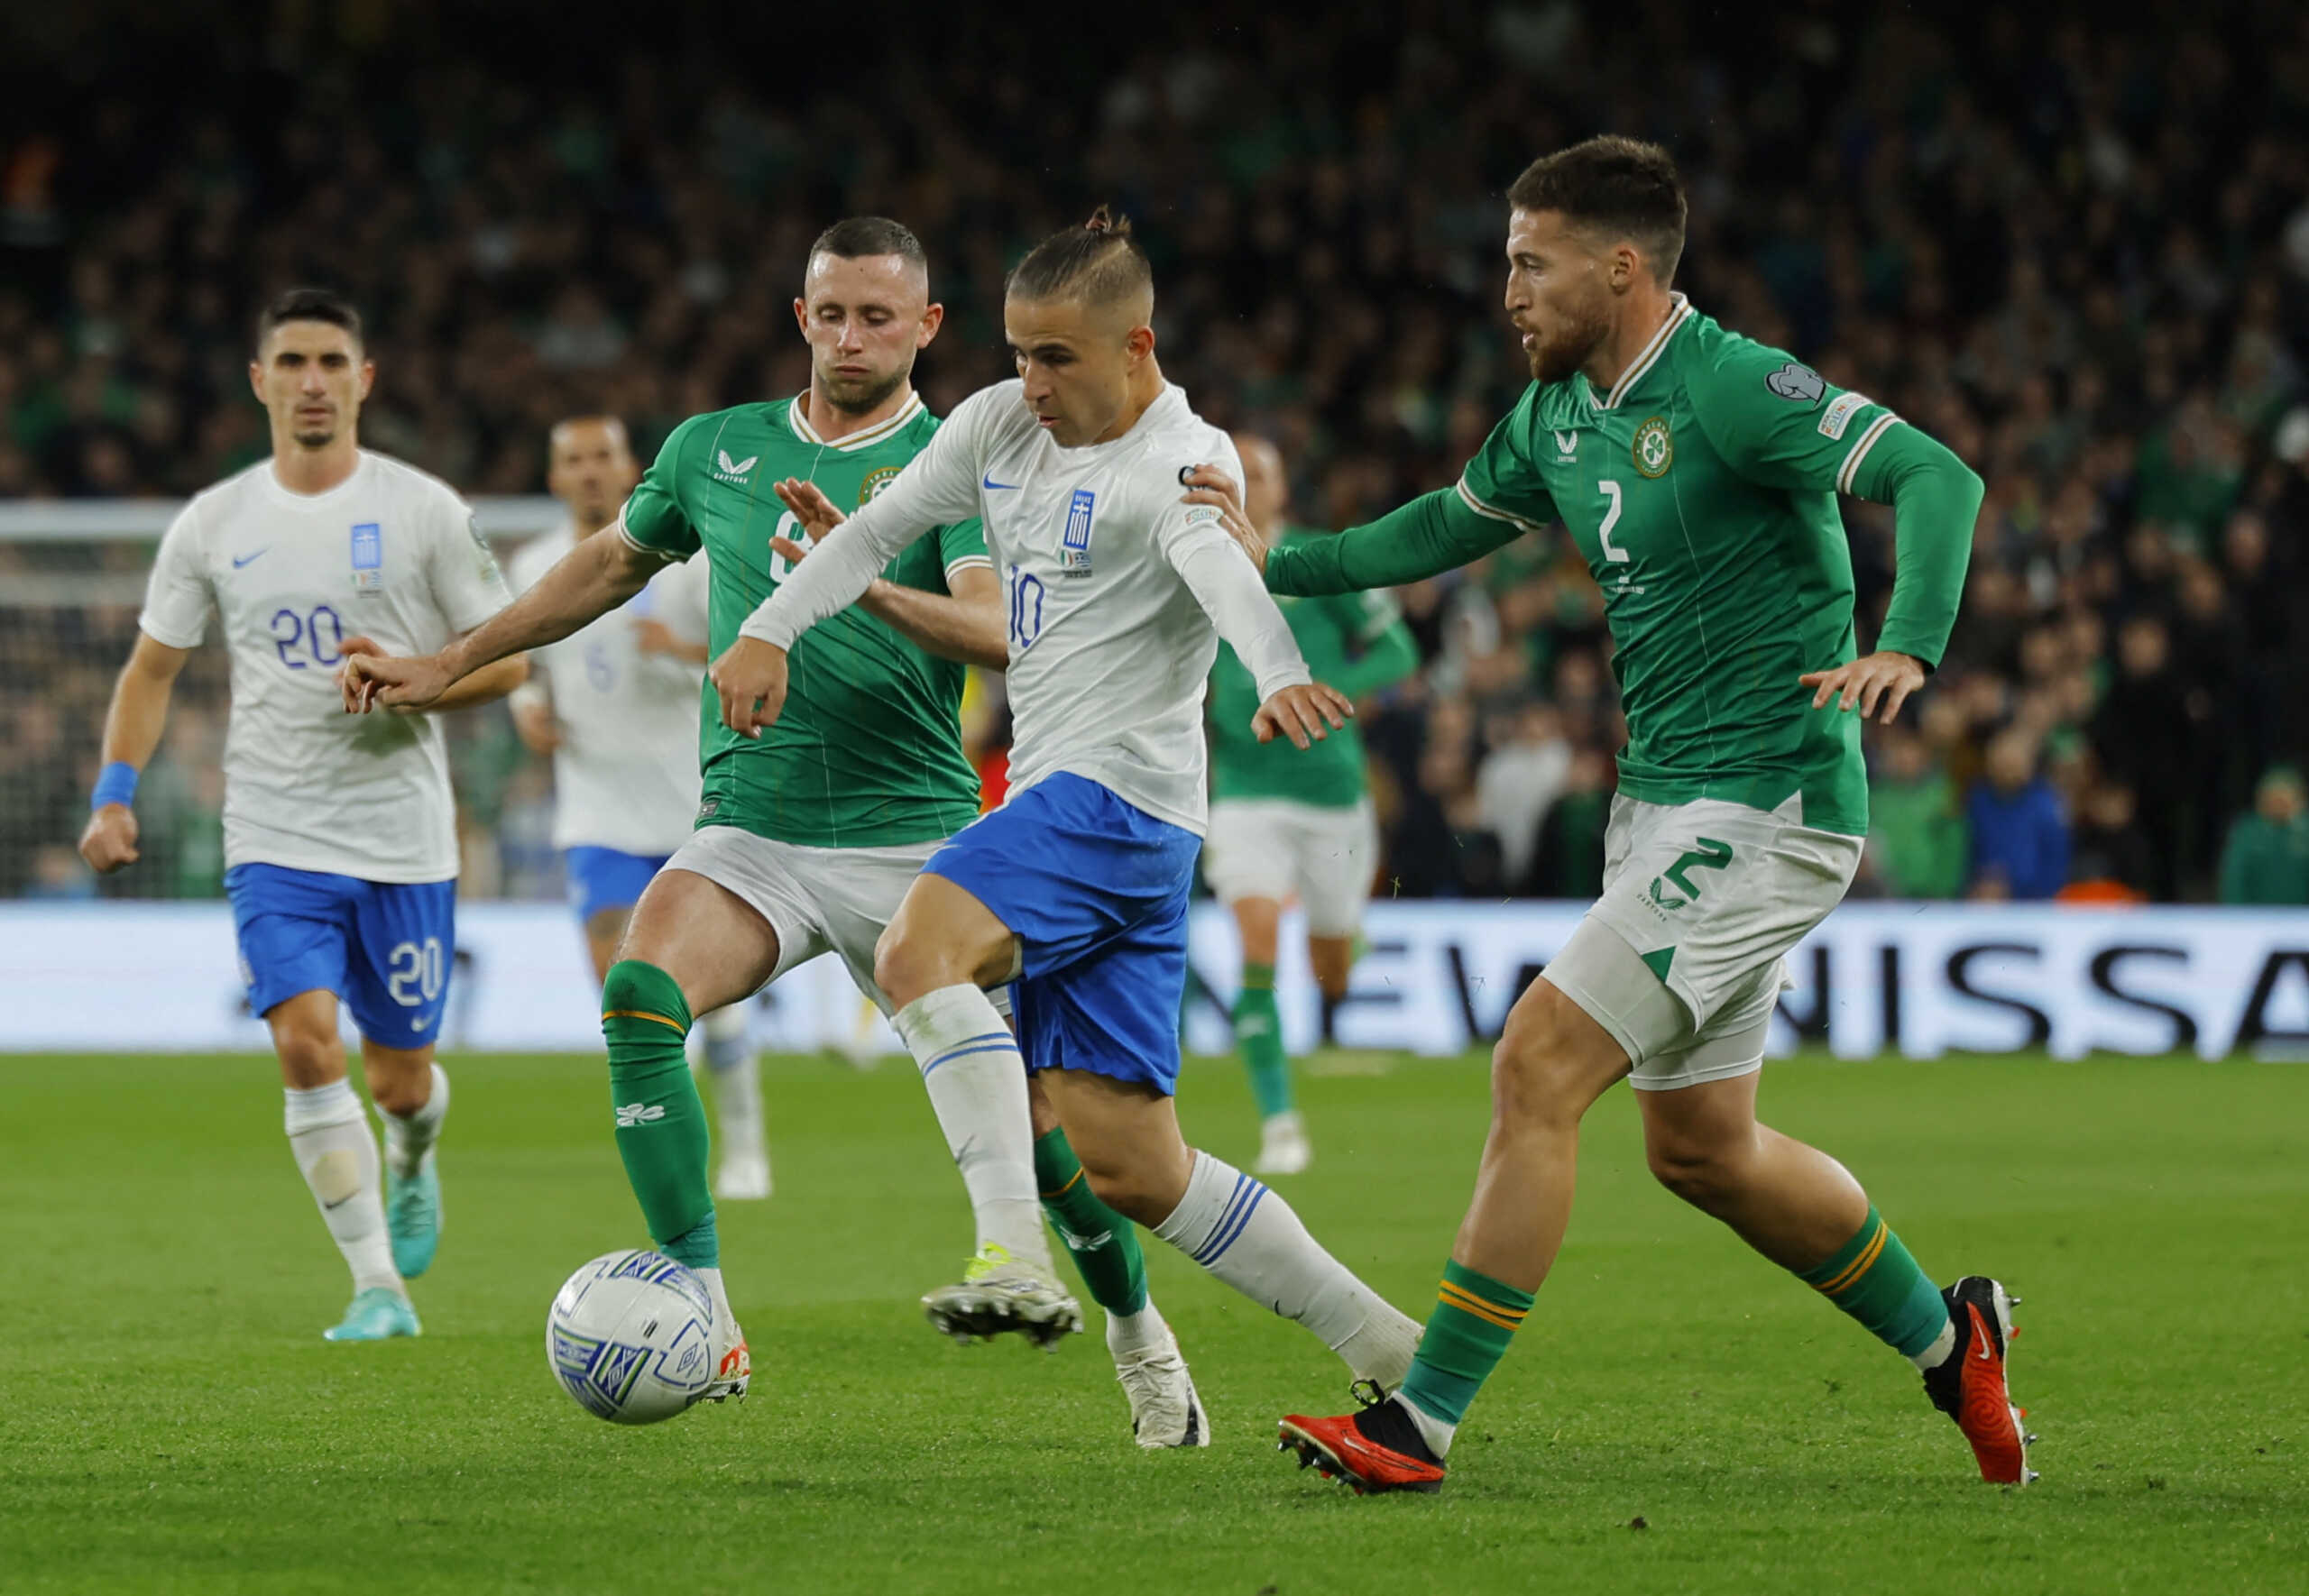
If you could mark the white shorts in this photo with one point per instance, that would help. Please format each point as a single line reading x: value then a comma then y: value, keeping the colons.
x: 1682, y: 959
x: 1275, y: 847
x: 818, y: 900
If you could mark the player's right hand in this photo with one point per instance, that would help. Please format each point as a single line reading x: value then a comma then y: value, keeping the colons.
x: 750, y: 677
x: 372, y: 681
x: 812, y: 507
x: 1298, y: 713
x: 1207, y: 484
x: 109, y: 840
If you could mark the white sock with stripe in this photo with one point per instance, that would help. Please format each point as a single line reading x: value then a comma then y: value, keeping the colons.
x: 977, y: 1081
x: 336, y: 1153
x: 1248, y: 1237
x: 409, y: 1137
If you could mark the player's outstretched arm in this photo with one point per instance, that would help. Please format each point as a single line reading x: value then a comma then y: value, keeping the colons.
x: 1291, y: 704
x: 965, y: 623
x: 133, y: 726
x: 589, y: 581
x: 1434, y: 533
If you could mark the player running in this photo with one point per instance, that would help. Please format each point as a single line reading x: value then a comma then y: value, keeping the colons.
x: 340, y: 834
x: 1286, y: 822
x: 1697, y: 471
x: 1076, y: 888
x: 809, y: 836
x: 617, y: 712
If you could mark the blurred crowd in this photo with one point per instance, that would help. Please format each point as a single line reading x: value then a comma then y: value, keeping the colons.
x: 2077, y: 253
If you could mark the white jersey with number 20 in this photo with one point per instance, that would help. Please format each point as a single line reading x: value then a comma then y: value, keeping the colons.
x: 390, y: 554
x: 1118, y: 591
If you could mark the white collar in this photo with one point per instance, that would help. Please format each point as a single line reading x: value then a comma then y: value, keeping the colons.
x: 880, y: 432
x: 1646, y: 360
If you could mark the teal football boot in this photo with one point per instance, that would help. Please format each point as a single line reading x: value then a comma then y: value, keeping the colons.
x: 413, y: 1217
x: 378, y: 1313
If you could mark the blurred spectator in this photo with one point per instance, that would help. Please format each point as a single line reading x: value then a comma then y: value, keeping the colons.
x: 1518, y: 783
x: 1918, y: 843
x: 2111, y: 854
x: 2019, y: 836
x: 2267, y: 859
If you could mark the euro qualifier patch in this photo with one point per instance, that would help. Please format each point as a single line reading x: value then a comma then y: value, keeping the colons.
x: 1798, y: 385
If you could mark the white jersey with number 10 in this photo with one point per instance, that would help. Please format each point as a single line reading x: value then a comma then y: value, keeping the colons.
x: 388, y: 553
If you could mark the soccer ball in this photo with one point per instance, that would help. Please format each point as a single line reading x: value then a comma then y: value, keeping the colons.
x: 631, y: 1336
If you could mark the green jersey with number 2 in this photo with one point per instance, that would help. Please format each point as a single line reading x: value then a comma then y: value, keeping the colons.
x: 868, y: 751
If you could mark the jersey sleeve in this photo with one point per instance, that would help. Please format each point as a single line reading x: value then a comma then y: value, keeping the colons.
x: 962, y: 546
x: 176, y: 598
x: 1776, y: 421
x: 467, y: 586
x: 1501, y: 482
x: 653, y: 518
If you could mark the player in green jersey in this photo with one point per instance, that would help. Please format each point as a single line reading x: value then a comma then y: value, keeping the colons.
x: 809, y: 836
x: 1698, y: 472
x: 1285, y: 822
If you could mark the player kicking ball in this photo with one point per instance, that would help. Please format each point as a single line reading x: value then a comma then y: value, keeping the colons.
x: 810, y: 836
x: 340, y: 834
x: 1698, y: 472
x: 1075, y: 890
x: 1286, y: 822
x: 617, y: 713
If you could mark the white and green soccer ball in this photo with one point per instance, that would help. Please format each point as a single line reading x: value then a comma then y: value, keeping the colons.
x: 630, y: 1337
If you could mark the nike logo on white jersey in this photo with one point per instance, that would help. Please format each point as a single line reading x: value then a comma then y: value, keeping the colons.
x: 733, y: 471
x: 241, y: 560
x: 630, y: 1115
x: 989, y: 482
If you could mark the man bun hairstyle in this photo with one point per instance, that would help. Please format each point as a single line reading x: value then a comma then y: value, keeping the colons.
x: 307, y: 304
x: 1098, y: 263
x: 855, y: 238
x: 1620, y: 185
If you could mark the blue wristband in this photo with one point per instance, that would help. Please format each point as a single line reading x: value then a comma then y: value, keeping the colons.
x: 115, y: 784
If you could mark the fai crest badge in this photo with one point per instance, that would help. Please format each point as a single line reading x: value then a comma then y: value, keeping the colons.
x: 876, y: 480
x: 1654, y: 450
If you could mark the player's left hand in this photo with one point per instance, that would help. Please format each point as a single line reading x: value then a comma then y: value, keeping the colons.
x: 1207, y: 484
x: 1299, y: 713
x: 1876, y: 680
x: 750, y: 677
x: 812, y: 508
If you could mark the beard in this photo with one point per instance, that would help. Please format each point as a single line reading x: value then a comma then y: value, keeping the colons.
x: 1575, y: 339
x: 315, y: 437
x: 855, y: 396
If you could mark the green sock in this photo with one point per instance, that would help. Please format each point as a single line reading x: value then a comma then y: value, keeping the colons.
x: 1872, y: 1278
x: 661, y: 1130
x: 1475, y: 1318
x: 1104, y: 1243
x: 1258, y: 1033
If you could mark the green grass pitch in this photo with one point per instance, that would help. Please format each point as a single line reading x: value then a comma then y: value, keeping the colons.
x: 1679, y: 1417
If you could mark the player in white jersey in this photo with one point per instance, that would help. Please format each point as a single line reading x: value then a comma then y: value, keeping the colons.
x: 617, y: 711
x: 340, y: 832
x: 1075, y: 890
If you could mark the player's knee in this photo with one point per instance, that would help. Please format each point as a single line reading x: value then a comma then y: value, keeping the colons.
x: 1137, y: 1187
x: 1542, y: 1069
x: 1705, y: 1171
x: 904, y: 968
x: 399, y: 1080
x: 309, y: 1057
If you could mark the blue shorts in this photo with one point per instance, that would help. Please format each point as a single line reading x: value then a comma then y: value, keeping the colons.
x: 1096, y: 892
x: 604, y: 878
x: 383, y: 946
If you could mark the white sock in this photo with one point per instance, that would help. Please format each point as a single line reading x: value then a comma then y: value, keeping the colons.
x: 1436, y: 1431
x: 1933, y: 1356
x: 725, y: 1318
x: 1248, y: 1237
x: 408, y: 1137
x: 737, y: 1079
x: 976, y: 1083
x: 1135, y: 1332
x: 337, y: 1154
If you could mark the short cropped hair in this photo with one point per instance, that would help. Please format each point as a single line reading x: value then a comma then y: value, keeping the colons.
x: 307, y: 305
x: 1099, y: 262
x: 1621, y: 186
x: 854, y: 238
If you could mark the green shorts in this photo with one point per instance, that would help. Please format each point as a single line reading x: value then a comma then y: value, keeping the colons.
x: 1682, y: 959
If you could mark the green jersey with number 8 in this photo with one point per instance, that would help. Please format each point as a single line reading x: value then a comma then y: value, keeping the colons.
x: 868, y: 753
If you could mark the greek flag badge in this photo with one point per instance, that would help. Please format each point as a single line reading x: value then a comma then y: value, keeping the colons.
x: 1074, y: 550
x: 368, y: 555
